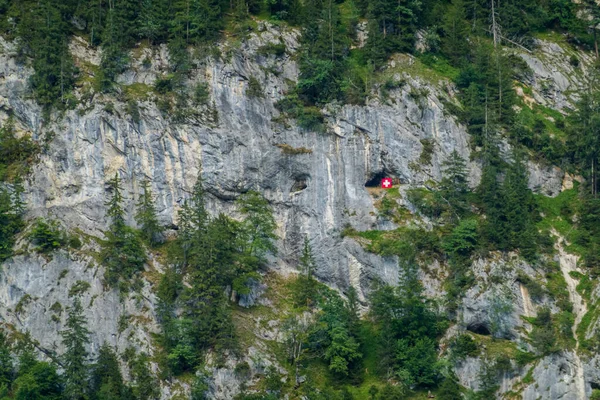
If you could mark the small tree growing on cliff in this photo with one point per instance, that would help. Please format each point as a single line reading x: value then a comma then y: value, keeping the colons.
x: 123, y: 252
x: 306, y: 286
x: 146, y: 217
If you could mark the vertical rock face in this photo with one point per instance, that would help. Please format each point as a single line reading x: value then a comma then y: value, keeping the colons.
x: 314, y: 193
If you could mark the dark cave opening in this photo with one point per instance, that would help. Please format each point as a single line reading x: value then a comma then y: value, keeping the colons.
x: 480, y: 329
x: 375, y: 180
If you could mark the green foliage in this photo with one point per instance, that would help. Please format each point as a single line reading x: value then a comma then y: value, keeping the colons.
x: 146, y: 218
x: 145, y: 385
x: 450, y: 389
x: 48, y: 236
x: 254, y: 88
x: 409, y: 330
x: 463, y: 346
x: 305, y: 286
x: 122, y: 253
x: 11, y: 222
x: 106, y: 381
x: 75, y: 338
x: 78, y: 288
x: 211, y: 254
x: 543, y: 336
x: 308, y: 118
x: 463, y: 239
x: 16, y: 154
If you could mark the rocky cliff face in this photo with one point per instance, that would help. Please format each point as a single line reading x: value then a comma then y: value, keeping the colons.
x: 314, y: 193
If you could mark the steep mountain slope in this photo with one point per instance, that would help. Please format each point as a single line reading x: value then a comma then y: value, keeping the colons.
x: 318, y: 185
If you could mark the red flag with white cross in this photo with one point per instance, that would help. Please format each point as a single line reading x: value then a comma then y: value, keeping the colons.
x: 386, y: 183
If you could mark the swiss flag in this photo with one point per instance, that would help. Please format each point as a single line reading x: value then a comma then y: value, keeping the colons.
x: 386, y: 183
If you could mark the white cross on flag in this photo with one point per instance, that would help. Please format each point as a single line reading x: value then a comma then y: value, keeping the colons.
x: 386, y: 183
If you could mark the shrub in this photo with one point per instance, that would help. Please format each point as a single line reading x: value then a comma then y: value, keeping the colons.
x: 254, y: 88
x: 78, y: 288
x: 164, y: 85
x: 201, y: 93
x: 463, y: 346
x: 463, y: 239
x: 48, y: 236
x: 276, y: 49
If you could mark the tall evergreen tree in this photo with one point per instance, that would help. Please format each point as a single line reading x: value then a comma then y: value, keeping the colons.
x: 520, y: 209
x: 123, y: 253
x: 146, y: 216
x: 75, y: 338
x: 7, y: 369
x: 454, y: 186
x: 456, y: 30
x: 106, y: 379
x: 258, y: 227
x: 306, y: 285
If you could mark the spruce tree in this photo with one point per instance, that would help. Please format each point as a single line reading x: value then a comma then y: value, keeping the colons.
x: 145, y: 387
x: 106, y: 379
x: 454, y: 186
x: 115, y: 204
x: 10, y: 223
x: 520, y: 209
x: 146, y: 216
x: 123, y: 253
x: 258, y: 226
x: 450, y: 388
x: 7, y: 369
x: 75, y: 338
x: 456, y: 29
x: 306, y: 286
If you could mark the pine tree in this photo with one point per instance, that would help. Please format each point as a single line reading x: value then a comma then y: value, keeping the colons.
x: 153, y: 20
x: 454, y: 186
x: 146, y: 216
x: 520, y: 209
x: 146, y: 387
x: 193, y: 222
x: 584, y: 137
x: 106, y: 379
x: 258, y: 226
x: 10, y: 223
x: 123, y: 253
x: 114, y: 58
x: 7, y: 369
x: 306, y: 286
x: 456, y: 30
x: 115, y: 204
x: 75, y: 338
x: 450, y: 389
x: 47, y: 38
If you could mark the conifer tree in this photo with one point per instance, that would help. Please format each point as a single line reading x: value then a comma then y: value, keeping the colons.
x: 106, y: 379
x: 146, y: 387
x: 450, y: 388
x: 75, y: 338
x: 115, y: 204
x: 520, y: 209
x: 153, y: 20
x: 456, y: 29
x: 258, y: 226
x: 7, y: 369
x: 454, y: 186
x: 10, y: 223
x: 306, y: 286
x: 123, y: 252
x: 146, y: 216
x: 114, y: 59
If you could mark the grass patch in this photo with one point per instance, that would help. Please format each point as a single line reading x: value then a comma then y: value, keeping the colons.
x: 557, y: 213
